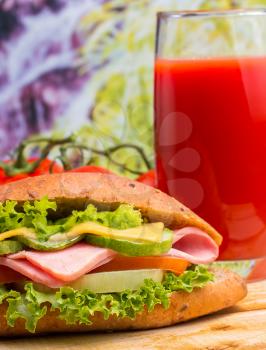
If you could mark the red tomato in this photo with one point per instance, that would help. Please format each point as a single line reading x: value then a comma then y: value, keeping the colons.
x: 91, y: 169
x: 148, y: 178
x: 44, y: 167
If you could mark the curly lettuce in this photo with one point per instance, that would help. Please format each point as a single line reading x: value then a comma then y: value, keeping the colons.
x: 35, y: 215
x: 79, y: 306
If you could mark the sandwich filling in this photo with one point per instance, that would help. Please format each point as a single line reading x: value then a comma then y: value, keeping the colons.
x: 113, y: 262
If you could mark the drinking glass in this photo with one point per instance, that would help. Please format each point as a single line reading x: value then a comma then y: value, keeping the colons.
x: 210, y: 125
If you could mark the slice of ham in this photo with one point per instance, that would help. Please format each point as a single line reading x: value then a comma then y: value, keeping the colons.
x: 31, y: 272
x: 68, y: 264
x: 194, y: 245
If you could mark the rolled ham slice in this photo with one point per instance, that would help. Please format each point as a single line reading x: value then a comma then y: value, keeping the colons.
x: 67, y: 264
x: 30, y: 271
x: 194, y: 245
x: 54, y: 269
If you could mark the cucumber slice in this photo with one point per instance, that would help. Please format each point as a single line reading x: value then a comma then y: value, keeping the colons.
x: 48, y: 245
x: 9, y: 247
x: 131, y: 248
x: 116, y: 281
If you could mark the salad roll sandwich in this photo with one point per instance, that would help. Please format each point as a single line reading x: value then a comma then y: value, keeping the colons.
x: 98, y: 252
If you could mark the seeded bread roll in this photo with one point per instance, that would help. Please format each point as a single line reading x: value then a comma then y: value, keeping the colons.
x: 225, y: 291
x: 77, y: 190
x: 107, y: 192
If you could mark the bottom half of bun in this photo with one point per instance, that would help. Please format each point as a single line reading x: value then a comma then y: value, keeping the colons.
x: 226, y: 290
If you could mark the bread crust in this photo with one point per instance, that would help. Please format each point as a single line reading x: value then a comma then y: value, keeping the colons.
x: 76, y: 190
x: 227, y: 289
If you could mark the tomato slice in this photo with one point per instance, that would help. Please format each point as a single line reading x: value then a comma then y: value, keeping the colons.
x: 167, y: 263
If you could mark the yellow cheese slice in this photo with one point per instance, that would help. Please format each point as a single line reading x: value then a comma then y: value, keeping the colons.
x: 151, y: 232
x: 23, y: 231
x: 145, y: 233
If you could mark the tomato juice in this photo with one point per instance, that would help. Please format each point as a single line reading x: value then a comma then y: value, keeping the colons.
x: 210, y: 126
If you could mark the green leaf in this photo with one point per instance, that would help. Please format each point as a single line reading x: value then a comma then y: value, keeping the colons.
x: 9, y: 217
x: 35, y: 215
x: 122, y: 218
x: 125, y: 216
x: 26, y: 306
x: 197, y: 277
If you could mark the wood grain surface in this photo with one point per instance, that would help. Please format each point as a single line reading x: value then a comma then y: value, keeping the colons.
x: 240, y: 327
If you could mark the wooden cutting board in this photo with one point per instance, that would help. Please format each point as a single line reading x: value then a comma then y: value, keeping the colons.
x: 240, y: 327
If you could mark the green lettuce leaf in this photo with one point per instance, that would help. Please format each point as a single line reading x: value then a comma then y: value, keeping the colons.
x: 78, y: 306
x: 190, y: 279
x: 9, y: 217
x: 35, y: 215
x: 125, y: 216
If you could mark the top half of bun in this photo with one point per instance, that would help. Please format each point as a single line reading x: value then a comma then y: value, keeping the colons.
x: 76, y: 190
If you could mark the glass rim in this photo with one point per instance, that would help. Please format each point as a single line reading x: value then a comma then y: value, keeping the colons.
x: 211, y: 13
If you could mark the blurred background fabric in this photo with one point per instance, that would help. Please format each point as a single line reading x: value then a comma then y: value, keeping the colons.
x: 82, y: 66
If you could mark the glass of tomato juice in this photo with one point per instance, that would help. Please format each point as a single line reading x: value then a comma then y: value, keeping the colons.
x: 210, y: 125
